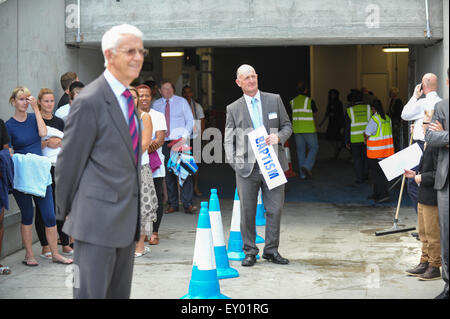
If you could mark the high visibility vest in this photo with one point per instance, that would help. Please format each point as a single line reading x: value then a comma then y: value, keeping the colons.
x: 302, y: 115
x: 381, y: 145
x: 359, y: 116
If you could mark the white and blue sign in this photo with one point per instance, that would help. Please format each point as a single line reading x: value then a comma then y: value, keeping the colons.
x: 266, y: 158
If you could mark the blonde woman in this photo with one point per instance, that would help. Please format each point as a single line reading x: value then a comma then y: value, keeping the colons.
x: 26, y: 130
x: 50, y: 146
x: 149, y: 201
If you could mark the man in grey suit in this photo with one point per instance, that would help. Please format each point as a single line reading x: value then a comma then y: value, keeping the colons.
x: 253, y: 109
x: 437, y: 136
x: 97, y: 174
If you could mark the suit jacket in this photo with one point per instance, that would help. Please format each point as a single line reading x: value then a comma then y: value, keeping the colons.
x: 440, y: 139
x: 97, y: 179
x: 238, y: 124
x: 427, y: 195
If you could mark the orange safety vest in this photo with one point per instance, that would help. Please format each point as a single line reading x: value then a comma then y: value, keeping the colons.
x: 381, y: 145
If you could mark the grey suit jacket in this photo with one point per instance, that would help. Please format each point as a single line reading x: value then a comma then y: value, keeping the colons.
x: 238, y: 124
x: 440, y: 139
x: 97, y: 179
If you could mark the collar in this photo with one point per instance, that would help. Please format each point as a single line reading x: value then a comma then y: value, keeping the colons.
x: 117, y: 87
x: 431, y: 94
x: 248, y: 99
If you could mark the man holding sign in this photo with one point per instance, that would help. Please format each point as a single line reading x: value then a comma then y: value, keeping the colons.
x: 249, y: 120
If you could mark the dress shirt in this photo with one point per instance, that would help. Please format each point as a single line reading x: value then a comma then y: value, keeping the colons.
x: 248, y: 101
x: 118, y: 89
x: 414, y: 111
x: 181, y: 119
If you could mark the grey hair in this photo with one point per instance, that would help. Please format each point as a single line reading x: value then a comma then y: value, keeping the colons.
x: 244, y: 68
x: 112, y: 37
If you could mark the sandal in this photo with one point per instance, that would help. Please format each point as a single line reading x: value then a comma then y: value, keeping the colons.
x: 47, y: 255
x: 4, y: 270
x: 26, y: 262
x: 63, y: 262
x: 154, y: 240
x: 146, y: 250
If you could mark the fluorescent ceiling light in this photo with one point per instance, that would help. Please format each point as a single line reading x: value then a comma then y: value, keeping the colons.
x: 172, y: 54
x: 391, y: 50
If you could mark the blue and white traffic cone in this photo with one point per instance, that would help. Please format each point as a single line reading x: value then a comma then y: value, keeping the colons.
x: 235, y: 242
x: 204, y: 283
x: 224, y: 270
x: 260, y: 219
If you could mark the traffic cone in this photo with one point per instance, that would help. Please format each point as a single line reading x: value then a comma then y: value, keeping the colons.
x: 235, y: 243
x: 204, y: 283
x: 224, y: 270
x: 260, y: 219
x: 290, y: 172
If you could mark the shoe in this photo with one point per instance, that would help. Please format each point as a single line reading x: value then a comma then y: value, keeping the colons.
x: 249, y: 261
x: 27, y: 261
x: 190, y: 209
x: 415, y: 235
x: 47, y: 255
x: 276, y: 258
x: 145, y: 252
x: 171, y: 210
x: 4, y: 270
x: 66, y: 262
x: 307, y: 172
x: 69, y: 253
x: 154, y: 239
x: 382, y: 200
x: 442, y: 295
x: 432, y: 273
x: 198, y: 193
x: 418, y: 270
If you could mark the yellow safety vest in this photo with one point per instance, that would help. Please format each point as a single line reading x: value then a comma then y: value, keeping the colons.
x: 302, y: 115
x: 381, y: 145
x: 359, y: 116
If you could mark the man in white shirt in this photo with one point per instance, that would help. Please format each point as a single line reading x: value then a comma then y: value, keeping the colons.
x: 414, y: 111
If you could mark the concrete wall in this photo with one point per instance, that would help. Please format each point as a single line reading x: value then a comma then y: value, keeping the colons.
x: 33, y: 53
x: 269, y: 23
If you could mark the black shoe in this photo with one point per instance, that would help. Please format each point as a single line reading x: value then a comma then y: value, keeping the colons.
x: 418, y: 270
x: 415, y: 235
x: 382, y: 200
x: 442, y: 295
x: 190, y: 210
x: 249, y: 260
x: 276, y: 259
x: 307, y: 172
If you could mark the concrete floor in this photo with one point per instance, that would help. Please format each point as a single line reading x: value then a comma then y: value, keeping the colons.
x: 332, y: 249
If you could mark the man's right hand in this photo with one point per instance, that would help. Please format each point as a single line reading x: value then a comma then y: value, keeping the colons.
x: 418, y: 91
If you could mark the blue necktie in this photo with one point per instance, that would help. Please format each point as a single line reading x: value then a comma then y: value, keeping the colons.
x: 256, y: 120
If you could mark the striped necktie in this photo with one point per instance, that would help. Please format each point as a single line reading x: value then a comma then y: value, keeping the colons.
x: 167, y: 116
x: 132, y: 123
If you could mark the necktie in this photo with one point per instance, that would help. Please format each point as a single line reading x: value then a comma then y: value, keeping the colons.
x: 256, y: 120
x: 132, y: 123
x: 167, y: 114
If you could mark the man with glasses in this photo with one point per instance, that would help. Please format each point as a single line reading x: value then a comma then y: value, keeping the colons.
x: 97, y: 174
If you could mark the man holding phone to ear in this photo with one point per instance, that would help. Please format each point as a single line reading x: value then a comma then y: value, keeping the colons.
x: 414, y: 111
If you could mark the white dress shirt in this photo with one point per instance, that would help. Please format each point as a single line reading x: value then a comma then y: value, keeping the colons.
x: 414, y: 111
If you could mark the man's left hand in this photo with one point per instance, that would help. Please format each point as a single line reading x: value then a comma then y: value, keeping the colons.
x: 272, y: 139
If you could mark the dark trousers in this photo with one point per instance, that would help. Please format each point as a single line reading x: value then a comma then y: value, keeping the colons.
x: 380, y: 188
x: 359, y: 155
x: 442, y: 195
x: 413, y: 188
x: 187, y: 190
x: 40, y: 225
x: 158, y: 181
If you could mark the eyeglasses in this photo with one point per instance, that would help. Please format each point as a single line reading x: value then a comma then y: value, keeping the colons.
x: 132, y: 52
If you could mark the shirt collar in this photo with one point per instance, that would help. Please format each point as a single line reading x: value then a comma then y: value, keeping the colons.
x: 117, y: 87
x: 431, y: 94
x: 248, y: 99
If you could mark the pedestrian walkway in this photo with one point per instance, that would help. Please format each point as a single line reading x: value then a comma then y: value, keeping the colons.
x: 332, y: 248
